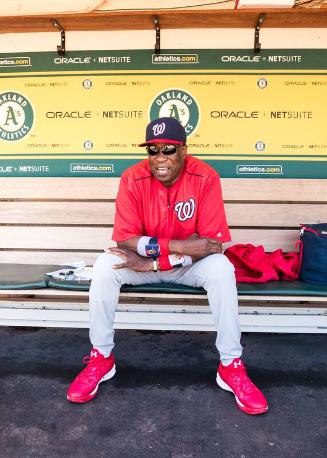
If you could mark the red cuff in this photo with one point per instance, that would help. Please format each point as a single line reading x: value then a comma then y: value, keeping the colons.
x: 164, y: 263
x: 164, y: 246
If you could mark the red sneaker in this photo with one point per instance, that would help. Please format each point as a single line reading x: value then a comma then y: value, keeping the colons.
x: 235, y: 379
x: 98, y: 369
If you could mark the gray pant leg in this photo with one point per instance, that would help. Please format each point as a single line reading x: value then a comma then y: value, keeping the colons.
x: 215, y: 274
x: 104, y: 295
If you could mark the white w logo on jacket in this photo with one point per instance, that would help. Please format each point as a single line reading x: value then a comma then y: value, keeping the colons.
x: 185, y: 210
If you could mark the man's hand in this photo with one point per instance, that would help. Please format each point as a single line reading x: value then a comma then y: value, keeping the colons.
x: 195, y: 246
x: 131, y: 260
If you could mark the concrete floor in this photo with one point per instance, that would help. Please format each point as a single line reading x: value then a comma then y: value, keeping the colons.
x: 163, y: 401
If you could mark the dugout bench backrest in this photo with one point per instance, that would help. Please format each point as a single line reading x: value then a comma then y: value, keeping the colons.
x: 53, y: 220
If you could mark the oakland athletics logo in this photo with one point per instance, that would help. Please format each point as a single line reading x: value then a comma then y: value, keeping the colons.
x: 176, y: 103
x: 185, y: 210
x: 16, y: 116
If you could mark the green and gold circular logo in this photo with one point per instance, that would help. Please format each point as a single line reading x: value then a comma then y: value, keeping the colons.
x: 16, y: 116
x: 179, y: 104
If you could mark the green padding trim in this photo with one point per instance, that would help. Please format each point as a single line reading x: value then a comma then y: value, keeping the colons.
x: 71, y: 285
x: 25, y: 276
x: 163, y: 288
x: 153, y: 288
x: 282, y: 288
x: 273, y: 288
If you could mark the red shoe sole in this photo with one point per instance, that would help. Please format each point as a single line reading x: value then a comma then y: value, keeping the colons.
x: 250, y: 411
x: 82, y: 400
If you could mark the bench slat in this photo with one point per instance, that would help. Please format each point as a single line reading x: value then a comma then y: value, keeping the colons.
x: 271, y: 239
x: 48, y: 257
x: 274, y: 215
x: 58, y: 213
x: 275, y: 190
x: 16, y: 298
x: 102, y: 213
x: 58, y: 238
x: 59, y: 188
x: 234, y: 189
x: 97, y: 238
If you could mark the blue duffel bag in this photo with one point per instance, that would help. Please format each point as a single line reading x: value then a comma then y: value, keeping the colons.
x: 313, y: 253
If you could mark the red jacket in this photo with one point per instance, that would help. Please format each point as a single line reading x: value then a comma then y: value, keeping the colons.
x: 253, y: 265
x: 193, y: 204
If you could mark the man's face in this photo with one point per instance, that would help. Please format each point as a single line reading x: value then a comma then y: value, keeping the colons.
x: 167, y: 168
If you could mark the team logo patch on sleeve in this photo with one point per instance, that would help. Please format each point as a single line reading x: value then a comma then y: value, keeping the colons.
x: 185, y: 210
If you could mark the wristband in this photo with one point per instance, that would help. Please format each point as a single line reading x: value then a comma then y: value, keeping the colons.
x: 164, y: 246
x: 179, y: 260
x: 152, y: 249
x: 141, y: 244
x: 176, y: 260
x: 187, y: 260
x: 148, y: 247
x: 164, y: 263
x: 155, y: 265
x: 173, y: 261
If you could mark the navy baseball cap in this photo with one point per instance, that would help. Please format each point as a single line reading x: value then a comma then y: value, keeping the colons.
x: 165, y: 130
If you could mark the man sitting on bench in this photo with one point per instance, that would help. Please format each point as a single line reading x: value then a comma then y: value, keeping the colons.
x: 169, y: 227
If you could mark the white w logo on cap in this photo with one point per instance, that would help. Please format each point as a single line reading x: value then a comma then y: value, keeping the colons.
x: 159, y: 129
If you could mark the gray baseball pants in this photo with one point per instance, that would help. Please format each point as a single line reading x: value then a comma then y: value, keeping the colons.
x: 214, y: 273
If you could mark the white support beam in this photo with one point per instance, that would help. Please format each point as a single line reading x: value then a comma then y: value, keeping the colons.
x: 282, y: 320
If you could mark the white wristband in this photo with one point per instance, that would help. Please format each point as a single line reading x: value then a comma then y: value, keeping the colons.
x: 179, y: 260
x: 141, y: 245
x: 187, y: 260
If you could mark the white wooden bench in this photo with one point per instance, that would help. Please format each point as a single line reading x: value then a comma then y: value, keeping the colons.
x: 55, y: 220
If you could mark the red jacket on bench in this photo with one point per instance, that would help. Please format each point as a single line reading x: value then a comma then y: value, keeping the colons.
x: 253, y: 265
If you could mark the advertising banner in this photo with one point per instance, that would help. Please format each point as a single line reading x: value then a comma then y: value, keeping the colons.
x: 84, y: 114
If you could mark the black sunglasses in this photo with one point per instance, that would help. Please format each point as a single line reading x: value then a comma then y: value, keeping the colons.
x: 167, y: 150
